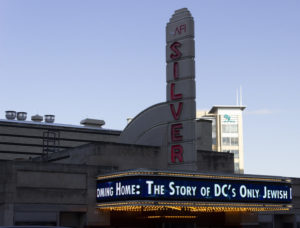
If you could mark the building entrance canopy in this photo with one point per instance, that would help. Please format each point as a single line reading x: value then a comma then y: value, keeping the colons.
x: 164, y: 190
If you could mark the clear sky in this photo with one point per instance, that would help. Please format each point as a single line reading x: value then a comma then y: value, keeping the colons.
x: 106, y: 60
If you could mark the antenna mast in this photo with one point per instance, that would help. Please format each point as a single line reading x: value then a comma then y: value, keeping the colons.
x: 241, y: 103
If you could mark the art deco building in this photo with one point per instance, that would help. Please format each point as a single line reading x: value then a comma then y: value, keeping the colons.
x: 157, y: 172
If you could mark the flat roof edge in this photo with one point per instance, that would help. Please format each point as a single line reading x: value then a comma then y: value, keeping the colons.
x: 192, y: 174
x: 215, y: 107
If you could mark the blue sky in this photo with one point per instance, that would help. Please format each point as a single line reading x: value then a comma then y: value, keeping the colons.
x: 106, y: 60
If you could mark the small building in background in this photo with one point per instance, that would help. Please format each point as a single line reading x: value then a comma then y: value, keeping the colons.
x: 227, y: 131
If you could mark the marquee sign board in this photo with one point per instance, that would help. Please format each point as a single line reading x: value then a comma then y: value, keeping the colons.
x: 161, y: 188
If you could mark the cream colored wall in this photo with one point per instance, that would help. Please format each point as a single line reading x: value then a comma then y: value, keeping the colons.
x: 219, y: 147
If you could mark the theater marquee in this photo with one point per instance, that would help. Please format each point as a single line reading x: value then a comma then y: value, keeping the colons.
x: 191, y: 190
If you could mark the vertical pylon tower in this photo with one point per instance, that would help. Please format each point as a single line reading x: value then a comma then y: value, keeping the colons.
x: 181, y: 92
x: 171, y: 125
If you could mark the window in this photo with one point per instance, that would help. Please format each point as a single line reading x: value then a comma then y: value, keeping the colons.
x: 230, y: 141
x: 236, y: 167
x: 214, y: 141
x: 230, y: 128
x: 226, y: 141
x: 234, y: 141
x: 236, y: 153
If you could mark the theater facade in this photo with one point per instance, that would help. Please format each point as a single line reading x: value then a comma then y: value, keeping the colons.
x: 157, y: 172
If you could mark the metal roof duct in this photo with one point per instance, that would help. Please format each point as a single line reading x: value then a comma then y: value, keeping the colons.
x: 92, y: 122
x: 10, y: 115
x: 37, y: 118
x: 49, y: 118
x: 21, y: 116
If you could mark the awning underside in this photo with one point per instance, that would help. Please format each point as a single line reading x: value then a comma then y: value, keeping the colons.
x: 192, y: 207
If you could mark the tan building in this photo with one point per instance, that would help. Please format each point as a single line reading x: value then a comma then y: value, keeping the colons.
x: 227, y: 131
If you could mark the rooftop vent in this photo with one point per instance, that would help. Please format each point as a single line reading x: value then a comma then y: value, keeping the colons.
x: 49, y: 118
x: 37, y: 118
x: 92, y: 122
x: 10, y: 115
x: 21, y: 116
